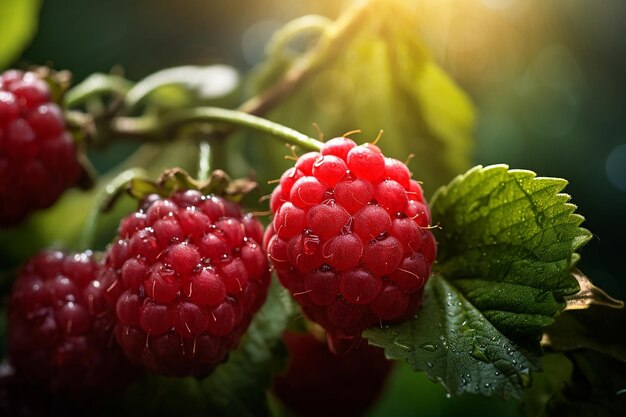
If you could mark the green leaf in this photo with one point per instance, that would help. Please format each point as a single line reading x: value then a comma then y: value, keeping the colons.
x: 507, y: 241
x: 557, y: 371
x: 506, y: 248
x: 237, y: 387
x: 183, y: 86
x: 593, y: 329
x: 18, y: 23
x: 597, y: 388
x: 457, y: 346
x: 378, y: 75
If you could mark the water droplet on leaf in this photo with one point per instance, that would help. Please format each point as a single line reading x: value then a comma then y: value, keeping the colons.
x: 429, y: 346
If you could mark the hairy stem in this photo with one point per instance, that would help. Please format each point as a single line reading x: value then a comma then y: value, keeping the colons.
x: 167, y: 124
x: 327, y: 49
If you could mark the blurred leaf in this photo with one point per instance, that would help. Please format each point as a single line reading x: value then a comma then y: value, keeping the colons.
x: 597, y: 388
x: 183, y: 86
x: 237, y: 387
x: 597, y: 329
x: 3, y: 333
x: 410, y: 393
x: 378, y: 76
x: 506, y: 242
x: 556, y: 373
x: 18, y: 23
x: 456, y: 346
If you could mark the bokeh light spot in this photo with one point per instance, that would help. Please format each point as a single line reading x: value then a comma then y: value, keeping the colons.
x: 616, y: 167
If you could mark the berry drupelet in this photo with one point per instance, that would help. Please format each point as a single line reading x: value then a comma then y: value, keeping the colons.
x: 185, y: 277
x: 350, y: 238
x: 37, y: 154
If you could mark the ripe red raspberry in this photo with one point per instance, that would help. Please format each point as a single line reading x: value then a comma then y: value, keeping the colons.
x: 37, y: 155
x: 318, y: 383
x: 350, y: 238
x: 185, y: 276
x: 59, y: 329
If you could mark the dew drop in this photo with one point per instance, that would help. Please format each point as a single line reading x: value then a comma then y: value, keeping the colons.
x: 403, y: 344
x: 479, y: 353
x: 430, y: 347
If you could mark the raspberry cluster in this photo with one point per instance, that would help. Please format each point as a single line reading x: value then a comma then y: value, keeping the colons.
x: 59, y: 329
x: 350, y: 237
x: 37, y: 155
x: 185, y: 277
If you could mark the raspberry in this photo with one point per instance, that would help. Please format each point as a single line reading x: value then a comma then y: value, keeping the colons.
x: 318, y: 383
x: 350, y: 238
x: 185, y: 277
x: 59, y: 329
x: 37, y: 155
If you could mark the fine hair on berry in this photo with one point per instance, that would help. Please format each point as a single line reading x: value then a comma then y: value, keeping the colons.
x: 185, y: 276
x: 60, y: 329
x: 350, y: 238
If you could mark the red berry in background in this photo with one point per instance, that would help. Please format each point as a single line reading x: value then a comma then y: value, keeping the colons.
x: 350, y: 239
x: 185, y: 277
x: 59, y: 329
x: 37, y: 154
x: 319, y: 383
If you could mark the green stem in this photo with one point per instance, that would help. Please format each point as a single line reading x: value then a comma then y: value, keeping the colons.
x: 113, y: 187
x: 204, y: 162
x: 165, y: 125
x: 96, y: 85
x: 331, y: 45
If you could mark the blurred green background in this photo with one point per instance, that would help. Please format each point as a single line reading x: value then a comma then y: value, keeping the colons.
x: 547, y: 78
